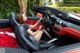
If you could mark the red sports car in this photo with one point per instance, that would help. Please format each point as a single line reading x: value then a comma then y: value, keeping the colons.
x: 63, y: 27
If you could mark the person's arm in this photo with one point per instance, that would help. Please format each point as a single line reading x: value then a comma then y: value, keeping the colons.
x: 33, y: 26
x: 33, y: 33
x: 47, y: 33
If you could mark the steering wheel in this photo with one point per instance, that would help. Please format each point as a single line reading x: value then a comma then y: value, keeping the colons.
x: 45, y: 19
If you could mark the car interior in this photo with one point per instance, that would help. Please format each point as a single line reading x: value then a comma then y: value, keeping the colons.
x: 64, y: 33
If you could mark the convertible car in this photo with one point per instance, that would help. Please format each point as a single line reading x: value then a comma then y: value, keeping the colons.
x: 63, y: 28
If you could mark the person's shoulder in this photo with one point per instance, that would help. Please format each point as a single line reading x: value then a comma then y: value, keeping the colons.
x: 25, y: 25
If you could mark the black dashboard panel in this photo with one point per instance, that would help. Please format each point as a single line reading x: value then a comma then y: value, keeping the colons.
x: 62, y: 23
x: 4, y: 23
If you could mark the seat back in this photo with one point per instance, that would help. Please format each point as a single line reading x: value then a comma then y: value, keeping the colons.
x: 12, y: 19
x: 24, y: 40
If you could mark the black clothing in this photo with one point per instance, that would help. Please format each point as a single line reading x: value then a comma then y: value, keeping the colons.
x: 25, y: 26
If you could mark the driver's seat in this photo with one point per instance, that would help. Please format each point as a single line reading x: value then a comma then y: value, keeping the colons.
x: 21, y: 35
x: 23, y: 39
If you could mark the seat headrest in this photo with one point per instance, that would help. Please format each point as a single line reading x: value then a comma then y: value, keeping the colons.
x: 12, y: 19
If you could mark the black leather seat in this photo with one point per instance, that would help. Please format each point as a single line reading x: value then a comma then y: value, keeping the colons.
x: 21, y: 35
x: 23, y: 39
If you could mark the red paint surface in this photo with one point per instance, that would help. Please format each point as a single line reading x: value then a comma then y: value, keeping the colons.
x: 39, y: 15
x: 74, y: 51
x: 68, y: 31
x: 6, y: 40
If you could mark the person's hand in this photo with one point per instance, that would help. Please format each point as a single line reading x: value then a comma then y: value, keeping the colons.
x: 43, y: 30
x: 40, y: 27
x: 40, y: 18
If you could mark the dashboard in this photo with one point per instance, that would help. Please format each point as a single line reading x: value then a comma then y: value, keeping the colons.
x: 60, y: 22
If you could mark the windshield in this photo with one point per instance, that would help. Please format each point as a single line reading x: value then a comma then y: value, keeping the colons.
x: 74, y: 16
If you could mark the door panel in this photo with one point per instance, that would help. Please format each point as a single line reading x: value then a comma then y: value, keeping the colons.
x: 4, y: 23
